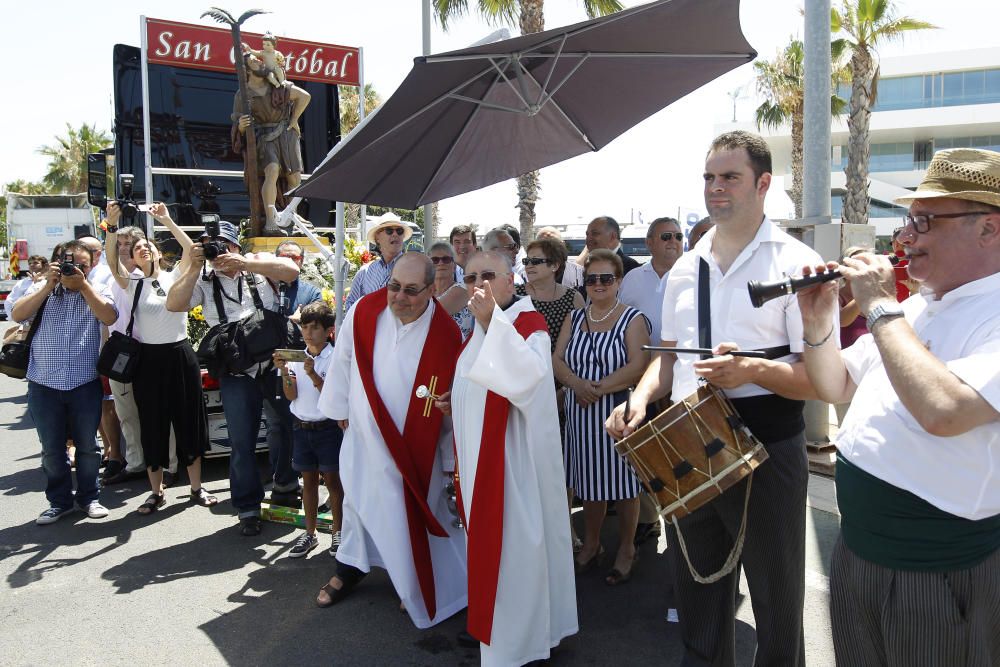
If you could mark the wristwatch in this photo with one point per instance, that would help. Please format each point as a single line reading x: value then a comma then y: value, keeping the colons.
x: 883, y: 310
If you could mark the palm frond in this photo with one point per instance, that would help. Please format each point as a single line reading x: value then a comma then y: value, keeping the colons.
x: 250, y: 13
x: 771, y: 116
x: 500, y: 12
x: 597, y: 8
x: 220, y: 15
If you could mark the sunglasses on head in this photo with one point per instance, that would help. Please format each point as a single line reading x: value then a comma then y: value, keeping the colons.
x: 605, y: 279
x: 409, y: 290
x: 392, y: 230
x: 677, y: 236
x: 470, y: 278
x: 444, y: 259
x: 533, y: 261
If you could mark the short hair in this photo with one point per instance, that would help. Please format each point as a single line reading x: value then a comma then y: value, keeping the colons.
x: 461, y: 229
x: 442, y: 245
x: 491, y: 255
x: 491, y: 242
x: 318, y: 312
x: 611, y: 224
x: 548, y: 231
x: 38, y: 258
x: 755, y: 146
x: 554, y: 251
x: 604, y: 255
x: 289, y: 242
x: 424, y: 259
x: 664, y: 220
x: 131, y: 233
x: 515, y: 234
x: 74, y: 245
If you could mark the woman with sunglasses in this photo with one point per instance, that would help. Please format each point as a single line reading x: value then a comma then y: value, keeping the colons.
x: 598, y: 357
x: 544, y: 260
x: 167, y: 383
x: 451, y: 295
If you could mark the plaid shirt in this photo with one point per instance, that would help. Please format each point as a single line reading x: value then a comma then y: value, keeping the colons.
x: 67, y: 343
x: 371, y: 277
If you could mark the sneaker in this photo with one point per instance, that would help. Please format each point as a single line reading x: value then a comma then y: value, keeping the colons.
x: 51, y: 515
x: 95, y: 510
x: 303, y: 545
x: 335, y: 544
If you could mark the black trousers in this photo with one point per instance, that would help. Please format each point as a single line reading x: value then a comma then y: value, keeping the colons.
x: 773, y: 560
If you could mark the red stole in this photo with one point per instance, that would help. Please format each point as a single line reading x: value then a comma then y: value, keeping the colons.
x: 486, y: 532
x: 414, y: 449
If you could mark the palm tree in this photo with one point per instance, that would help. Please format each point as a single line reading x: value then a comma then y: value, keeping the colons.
x: 68, y: 158
x: 782, y: 83
x: 349, y: 117
x: 528, y: 15
x: 865, y: 24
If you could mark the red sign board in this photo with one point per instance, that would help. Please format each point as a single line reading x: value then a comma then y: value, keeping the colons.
x: 204, y: 47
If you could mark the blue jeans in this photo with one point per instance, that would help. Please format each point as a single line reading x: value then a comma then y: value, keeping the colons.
x: 241, y: 402
x: 279, y: 439
x: 61, y: 415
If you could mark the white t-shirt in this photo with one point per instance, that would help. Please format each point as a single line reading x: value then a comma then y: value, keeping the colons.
x: 642, y: 288
x: 771, y: 255
x: 306, y: 404
x: 154, y: 324
x: 123, y: 302
x: 958, y: 474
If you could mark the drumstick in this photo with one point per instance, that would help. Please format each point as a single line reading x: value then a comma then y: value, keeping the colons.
x: 756, y: 354
x: 628, y: 404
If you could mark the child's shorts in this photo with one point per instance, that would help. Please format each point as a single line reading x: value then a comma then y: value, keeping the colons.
x: 316, y: 446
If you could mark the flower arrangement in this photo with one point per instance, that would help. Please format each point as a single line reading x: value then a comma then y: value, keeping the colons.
x: 197, y: 327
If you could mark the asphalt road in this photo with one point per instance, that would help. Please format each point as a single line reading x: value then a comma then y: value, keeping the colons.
x: 183, y: 587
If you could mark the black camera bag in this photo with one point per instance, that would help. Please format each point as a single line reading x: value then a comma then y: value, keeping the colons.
x: 120, y: 354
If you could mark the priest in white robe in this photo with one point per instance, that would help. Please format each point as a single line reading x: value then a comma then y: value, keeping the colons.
x: 397, y: 454
x: 512, y: 484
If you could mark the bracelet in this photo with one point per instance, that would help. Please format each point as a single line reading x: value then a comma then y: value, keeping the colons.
x: 822, y: 342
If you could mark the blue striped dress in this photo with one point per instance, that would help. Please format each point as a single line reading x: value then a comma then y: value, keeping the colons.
x: 594, y: 470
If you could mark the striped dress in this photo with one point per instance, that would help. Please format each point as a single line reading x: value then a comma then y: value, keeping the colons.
x: 594, y: 470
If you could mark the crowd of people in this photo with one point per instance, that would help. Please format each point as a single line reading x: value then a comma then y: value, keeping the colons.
x: 474, y: 391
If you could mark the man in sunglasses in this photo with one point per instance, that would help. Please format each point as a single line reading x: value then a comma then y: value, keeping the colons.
x: 918, y: 478
x: 390, y: 234
x: 522, y: 596
x: 643, y: 288
x: 395, y: 355
x: 500, y: 241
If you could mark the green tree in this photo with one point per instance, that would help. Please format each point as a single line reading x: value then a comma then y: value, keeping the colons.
x: 528, y: 15
x: 349, y: 117
x: 865, y: 24
x: 782, y: 83
x: 68, y: 158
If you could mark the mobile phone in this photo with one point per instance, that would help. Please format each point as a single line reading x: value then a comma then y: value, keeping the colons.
x: 291, y: 355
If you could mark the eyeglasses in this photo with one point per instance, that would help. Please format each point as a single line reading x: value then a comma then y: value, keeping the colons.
x: 922, y: 223
x: 605, y: 278
x: 533, y: 261
x: 677, y: 236
x: 444, y: 259
x: 470, y: 278
x: 408, y: 291
x: 392, y: 230
x: 159, y: 290
x: 510, y: 246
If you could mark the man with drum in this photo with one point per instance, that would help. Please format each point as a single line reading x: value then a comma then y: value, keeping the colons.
x: 767, y: 392
x: 915, y: 577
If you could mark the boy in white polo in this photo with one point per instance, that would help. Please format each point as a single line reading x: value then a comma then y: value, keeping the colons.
x: 316, y: 439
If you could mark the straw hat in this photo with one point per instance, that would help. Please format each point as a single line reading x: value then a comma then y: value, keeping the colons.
x: 961, y: 173
x: 389, y: 219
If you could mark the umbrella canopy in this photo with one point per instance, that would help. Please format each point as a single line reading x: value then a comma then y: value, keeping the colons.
x: 467, y: 119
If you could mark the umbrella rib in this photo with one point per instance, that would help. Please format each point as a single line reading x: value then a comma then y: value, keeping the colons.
x: 546, y: 97
x: 548, y: 77
x: 506, y: 80
x: 583, y: 135
x: 488, y: 105
x: 597, y: 54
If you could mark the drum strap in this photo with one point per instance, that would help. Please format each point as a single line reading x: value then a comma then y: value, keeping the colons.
x: 704, y: 308
x: 734, y: 555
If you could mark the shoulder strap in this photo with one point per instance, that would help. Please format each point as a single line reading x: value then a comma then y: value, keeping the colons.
x: 704, y: 308
x: 219, y: 305
x: 35, y: 322
x: 135, y: 303
x: 252, y: 282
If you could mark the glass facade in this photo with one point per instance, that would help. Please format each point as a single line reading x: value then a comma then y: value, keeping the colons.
x: 934, y: 90
x: 876, y: 209
x: 907, y: 156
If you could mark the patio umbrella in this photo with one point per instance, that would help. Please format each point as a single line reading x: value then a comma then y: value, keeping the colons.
x: 467, y: 119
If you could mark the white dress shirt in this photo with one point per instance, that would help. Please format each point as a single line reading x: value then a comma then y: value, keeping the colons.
x: 958, y: 474
x: 642, y: 288
x: 306, y: 404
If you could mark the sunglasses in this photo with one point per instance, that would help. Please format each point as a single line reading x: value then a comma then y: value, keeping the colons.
x: 156, y: 286
x: 392, y: 230
x: 533, y: 261
x: 408, y: 291
x: 510, y: 246
x: 445, y: 259
x: 605, y: 279
x: 677, y: 236
x: 470, y: 278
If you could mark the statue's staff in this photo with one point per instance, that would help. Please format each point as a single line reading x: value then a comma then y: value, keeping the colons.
x: 222, y: 16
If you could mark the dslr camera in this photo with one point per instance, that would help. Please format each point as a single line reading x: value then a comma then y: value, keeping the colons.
x: 213, y: 247
x: 68, y: 265
x: 126, y: 203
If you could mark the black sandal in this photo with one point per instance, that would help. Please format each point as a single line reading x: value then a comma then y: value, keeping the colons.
x: 202, y: 497
x: 338, y: 594
x: 153, y: 503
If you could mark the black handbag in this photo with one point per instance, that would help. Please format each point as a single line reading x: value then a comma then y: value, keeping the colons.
x: 120, y: 354
x: 15, y: 355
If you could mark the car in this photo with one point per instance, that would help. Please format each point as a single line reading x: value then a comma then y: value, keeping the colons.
x: 5, y: 289
x: 218, y: 433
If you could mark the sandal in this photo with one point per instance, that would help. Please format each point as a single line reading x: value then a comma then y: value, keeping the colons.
x: 616, y: 577
x: 202, y: 497
x: 153, y: 503
x: 590, y: 564
x: 337, y: 594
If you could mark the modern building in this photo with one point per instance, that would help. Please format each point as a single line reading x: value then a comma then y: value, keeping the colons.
x: 925, y: 103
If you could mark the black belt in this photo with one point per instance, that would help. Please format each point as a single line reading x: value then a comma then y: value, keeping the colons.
x: 321, y: 425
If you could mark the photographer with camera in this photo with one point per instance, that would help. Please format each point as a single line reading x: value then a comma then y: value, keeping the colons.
x: 64, y: 392
x: 234, y: 290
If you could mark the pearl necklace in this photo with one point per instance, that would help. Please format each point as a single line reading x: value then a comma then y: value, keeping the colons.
x: 590, y: 313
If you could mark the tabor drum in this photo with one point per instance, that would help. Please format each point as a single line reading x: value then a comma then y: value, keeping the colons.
x: 692, y: 452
